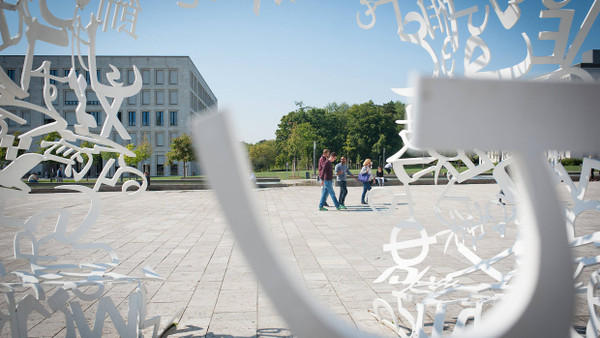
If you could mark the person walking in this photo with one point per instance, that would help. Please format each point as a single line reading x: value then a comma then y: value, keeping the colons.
x: 322, y: 161
x: 366, y: 169
x: 379, y: 176
x: 326, y: 182
x: 341, y: 170
x: 59, y: 174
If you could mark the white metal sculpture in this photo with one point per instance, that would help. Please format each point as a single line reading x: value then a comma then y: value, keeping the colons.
x: 544, y: 283
x: 438, y: 34
x: 71, y: 285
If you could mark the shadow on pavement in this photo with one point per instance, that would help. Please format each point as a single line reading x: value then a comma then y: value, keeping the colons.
x: 196, y: 331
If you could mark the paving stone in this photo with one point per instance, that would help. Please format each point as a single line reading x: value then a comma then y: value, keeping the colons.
x: 183, y: 236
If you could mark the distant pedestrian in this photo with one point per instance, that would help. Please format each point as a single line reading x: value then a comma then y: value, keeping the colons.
x: 147, y: 176
x: 33, y: 178
x: 51, y: 174
x: 366, y: 170
x: 388, y: 168
x: 341, y: 170
x: 59, y: 174
x: 326, y: 182
x: 592, y: 173
x: 379, y: 176
x: 322, y: 161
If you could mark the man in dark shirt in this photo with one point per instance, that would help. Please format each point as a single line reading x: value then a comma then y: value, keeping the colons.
x: 324, y: 159
x: 326, y: 175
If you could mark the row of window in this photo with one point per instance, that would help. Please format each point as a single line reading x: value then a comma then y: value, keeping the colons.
x: 132, y: 118
x: 199, y: 90
x: 70, y: 99
x: 12, y: 74
x: 159, y: 118
x: 159, y: 98
x: 159, y: 75
x: 24, y: 114
x: 196, y: 104
x: 156, y: 139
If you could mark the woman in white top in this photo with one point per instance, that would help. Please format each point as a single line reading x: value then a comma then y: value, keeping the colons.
x: 366, y: 185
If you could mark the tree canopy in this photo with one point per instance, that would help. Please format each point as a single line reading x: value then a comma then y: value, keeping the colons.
x: 358, y: 131
x: 262, y: 155
x: 181, y: 150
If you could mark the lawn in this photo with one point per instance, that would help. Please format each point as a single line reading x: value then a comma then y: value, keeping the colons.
x: 285, y: 175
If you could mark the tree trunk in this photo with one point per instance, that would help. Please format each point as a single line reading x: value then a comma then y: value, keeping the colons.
x: 183, y: 169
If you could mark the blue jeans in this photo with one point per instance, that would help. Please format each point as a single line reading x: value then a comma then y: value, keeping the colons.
x: 328, y: 189
x: 343, y: 192
x: 366, y: 187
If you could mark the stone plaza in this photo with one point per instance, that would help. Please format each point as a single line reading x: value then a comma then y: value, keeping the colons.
x: 182, y: 235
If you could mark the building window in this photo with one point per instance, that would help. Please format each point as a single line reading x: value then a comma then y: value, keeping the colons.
x: 70, y: 98
x: 87, y: 77
x: 160, y: 165
x: 98, y: 75
x: 145, y: 118
x: 117, y: 138
x: 159, y: 118
x: 66, y: 72
x: 71, y: 118
x: 146, y: 97
x: 160, y: 76
x: 11, y: 74
x: 120, y: 116
x: 174, y: 169
x: 130, y: 76
x: 145, y: 76
x: 173, y: 76
x: 160, y: 139
x: 26, y: 116
x: 173, y: 118
x: 92, y: 99
x: 132, y: 118
x: 96, y: 115
x: 160, y: 97
x: 132, y: 100
x: 173, y: 97
x: 12, y: 123
x: 53, y: 72
x: 133, y: 139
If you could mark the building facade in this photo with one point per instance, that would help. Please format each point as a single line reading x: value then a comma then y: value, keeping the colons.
x: 173, y: 91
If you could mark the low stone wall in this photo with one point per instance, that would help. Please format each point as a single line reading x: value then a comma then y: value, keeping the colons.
x: 261, y: 183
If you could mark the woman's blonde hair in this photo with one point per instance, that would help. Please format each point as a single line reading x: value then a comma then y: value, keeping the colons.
x: 366, y: 162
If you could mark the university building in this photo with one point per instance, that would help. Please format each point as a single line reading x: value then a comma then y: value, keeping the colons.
x: 173, y: 91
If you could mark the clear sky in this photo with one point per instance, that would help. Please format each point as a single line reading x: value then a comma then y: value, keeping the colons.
x: 311, y: 50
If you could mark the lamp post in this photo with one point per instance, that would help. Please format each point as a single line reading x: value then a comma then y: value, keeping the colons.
x: 314, y: 158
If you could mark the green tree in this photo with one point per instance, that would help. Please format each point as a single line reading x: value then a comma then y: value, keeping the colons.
x: 96, y: 158
x: 300, y: 144
x: 181, y: 150
x: 132, y: 161
x: 263, y: 155
x: 142, y: 152
x: 50, y: 137
x: 359, y: 131
x: 3, y: 160
x: 107, y: 155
